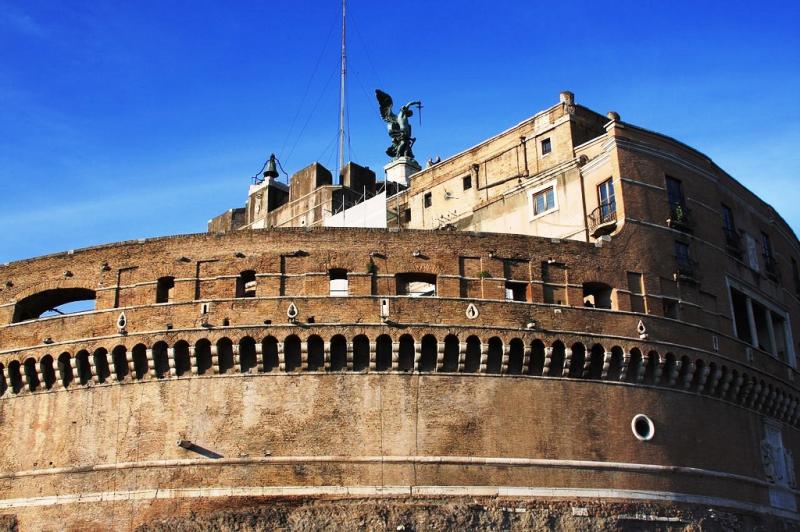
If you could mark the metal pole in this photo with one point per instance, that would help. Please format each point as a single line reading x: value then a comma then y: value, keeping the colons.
x: 342, y: 95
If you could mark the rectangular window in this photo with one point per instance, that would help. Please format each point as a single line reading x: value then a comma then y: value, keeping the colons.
x: 770, y: 264
x: 547, y: 147
x: 427, y: 200
x: 543, y: 201
x: 467, y: 181
x: 728, y: 224
x: 682, y: 256
x: 407, y: 215
x: 740, y: 315
x: 674, y: 192
x: 636, y: 289
x: 670, y: 308
x: 338, y: 283
x: 608, y: 203
x: 516, y: 291
x: 766, y: 245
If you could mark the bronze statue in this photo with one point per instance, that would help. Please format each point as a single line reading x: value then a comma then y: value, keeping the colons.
x: 398, y: 125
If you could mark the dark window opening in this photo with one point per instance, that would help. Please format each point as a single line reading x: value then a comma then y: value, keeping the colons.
x: 467, y: 181
x: 451, y: 354
x: 427, y: 359
x: 316, y: 353
x: 247, y: 355
x: 101, y: 366
x: 670, y: 308
x: 597, y: 295
x: 416, y: 284
x: 160, y: 360
x: 405, y: 361
x: 183, y: 363
x: 516, y: 291
x: 338, y: 353
x: 729, y: 228
x: 427, y: 199
x: 54, y: 302
x: 291, y: 353
x: 202, y: 353
x: 269, y: 350
x: 472, y: 360
x: 407, y: 215
x: 360, y: 353
x: 246, y: 284
x: 164, y: 289
x: 383, y: 353
x: 547, y: 146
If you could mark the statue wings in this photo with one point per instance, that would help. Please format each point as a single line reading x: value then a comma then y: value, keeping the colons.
x: 385, y: 103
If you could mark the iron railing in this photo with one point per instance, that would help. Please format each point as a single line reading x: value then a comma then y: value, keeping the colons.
x: 604, y: 214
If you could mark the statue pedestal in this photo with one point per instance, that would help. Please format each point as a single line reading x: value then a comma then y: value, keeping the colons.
x: 399, y: 170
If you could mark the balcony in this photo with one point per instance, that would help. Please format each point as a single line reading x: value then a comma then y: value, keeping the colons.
x: 680, y: 218
x: 602, y: 220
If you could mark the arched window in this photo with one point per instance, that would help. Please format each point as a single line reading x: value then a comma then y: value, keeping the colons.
x: 246, y: 284
x: 597, y: 295
x: 617, y: 359
x: 54, y: 302
x: 102, y: 371
x: 670, y: 366
x: 64, y: 369
x: 15, y: 376
x: 160, y: 360
x: 652, y: 368
x: 202, y: 355
x: 225, y: 355
x: 29, y: 366
x: 141, y: 366
x: 84, y: 369
x: 3, y: 383
x: 316, y: 353
x: 247, y: 354
x: 451, y: 353
x: 416, y: 284
x: 405, y: 360
x: 269, y: 350
x: 537, y: 358
x: 516, y: 352
x: 597, y: 361
x: 338, y: 282
x: 472, y: 359
x: 383, y: 353
x: 577, y: 361
x: 291, y: 353
x: 557, y: 360
x: 338, y: 353
x: 48, y: 371
x: 165, y: 287
x: 634, y: 366
x: 494, y: 360
x: 119, y: 357
x: 360, y: 353
x: 427, y: 359
x: 183, y: 363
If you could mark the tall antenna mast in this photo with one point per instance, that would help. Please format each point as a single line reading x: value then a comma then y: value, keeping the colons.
x: 342, y: 95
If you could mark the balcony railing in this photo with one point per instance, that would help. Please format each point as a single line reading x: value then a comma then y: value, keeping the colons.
x: 680, y: 217
x: 602, y: 220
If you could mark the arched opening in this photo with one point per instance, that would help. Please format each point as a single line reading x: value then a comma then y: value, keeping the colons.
x: 48, y: 371
x: 247, y: 355
x: 165, y: 288
x: 383, y: 353
x: 615, y: 367
x: 699, y: 375
x: 54, y: 302
x: 634, y: 366
x: 360, y: 353
x: 537, y: 358
x: 450, y: 362
x: 724, y: 381
x: 160, y: 360
x: 119, y: 358
x: 14, y: 376
x: 597, y: 295
x: 405, y: 361
x: 730, y: 393
x: 224, y: 355
x: 141, y: 366
x: 269, y: 350
x: 338, y: 282
x: 183, y: 363
x: 708, y: 388
x: 494, y: 359
x: 29, y: 367
x: 83, y: 367
x: 291, y: 353
x: 516, y: 353
x: 670, y: 369
x: 597, y: 359
x: 65, y: 373
x: 652, y: 367
x: 316, y: 353
x: 685, y: 372
x: 416, y: 284
x: 246, y: 284
x: 472, y: 358
x: 3, y: 383
x: 557, y: 360
x: 338, y: 353
x: 427, y: 359
x: 101, y: 367
x: 577, y: 361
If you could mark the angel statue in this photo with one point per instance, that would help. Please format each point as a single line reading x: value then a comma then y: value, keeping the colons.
x: 398, y: 125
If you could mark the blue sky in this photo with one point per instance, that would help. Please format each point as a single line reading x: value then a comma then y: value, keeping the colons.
x: 122, y: 120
